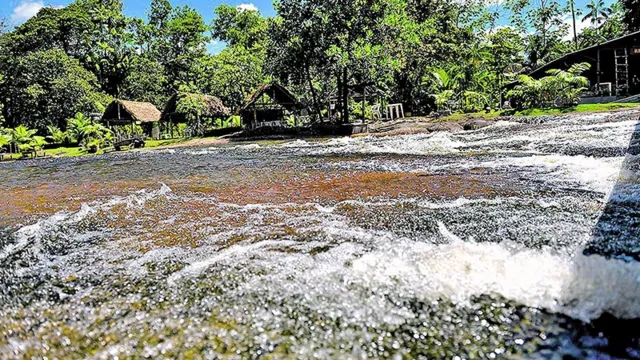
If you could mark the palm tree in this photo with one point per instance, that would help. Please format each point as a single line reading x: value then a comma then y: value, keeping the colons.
x: 4, y: 140
x: 597, y: 13
x: 22, y: 135
x: 446, y: 85
x: 78, y: 126
x: 23, y: 138
x: 572, y: 3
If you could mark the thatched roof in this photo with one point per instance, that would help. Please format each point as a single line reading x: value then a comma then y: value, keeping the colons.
x: 132, y: 110
x: 214, y: 106
x: 277, y: 92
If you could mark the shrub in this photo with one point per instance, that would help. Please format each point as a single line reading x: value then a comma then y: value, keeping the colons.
x: 559, y: 87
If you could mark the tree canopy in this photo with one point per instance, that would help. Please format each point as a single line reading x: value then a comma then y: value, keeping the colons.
x: 423, y: 53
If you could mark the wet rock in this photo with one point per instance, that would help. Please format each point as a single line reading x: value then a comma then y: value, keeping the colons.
x: 445, y: 126
x: 476, y: 124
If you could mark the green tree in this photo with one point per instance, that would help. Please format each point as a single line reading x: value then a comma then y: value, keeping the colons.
x: 238, y: 70
x: 597, y: 13
x: 64, y: 29
x: 47, y: 88
x: 632, y: 14
x: 345, y: 41
x: 546, y: 19
x: 112, y: 39
x: 186, y: 35
x: 233, y: 74
x: 612, y: 28
x: 246, y: 28
x: 506, y: 47
x: 146, y: 82
x: 446, y: 86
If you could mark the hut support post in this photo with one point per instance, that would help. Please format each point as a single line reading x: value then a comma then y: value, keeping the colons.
x: 598, y: 71
x: 255, y: 118
x: 364, y: 100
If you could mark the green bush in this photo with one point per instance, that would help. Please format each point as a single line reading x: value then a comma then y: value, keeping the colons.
x: 558, y: 88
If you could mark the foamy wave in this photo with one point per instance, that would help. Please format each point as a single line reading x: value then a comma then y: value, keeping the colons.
x: 32, y: 234
x: 583, y: 287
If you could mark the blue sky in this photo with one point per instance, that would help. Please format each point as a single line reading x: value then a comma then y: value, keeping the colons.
x: 18, y: 11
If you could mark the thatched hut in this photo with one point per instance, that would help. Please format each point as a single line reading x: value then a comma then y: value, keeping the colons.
x: 268, y: 106
x: 123, y: 113
x: 213, y: 108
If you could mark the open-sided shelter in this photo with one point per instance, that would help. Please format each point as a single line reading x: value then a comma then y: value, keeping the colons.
x: 131, y: 113
x: 213, y: 108
x: 270, y: 105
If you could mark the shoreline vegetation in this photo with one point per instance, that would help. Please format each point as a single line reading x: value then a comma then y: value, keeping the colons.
x: 89, y: 75
x: 406, y: 126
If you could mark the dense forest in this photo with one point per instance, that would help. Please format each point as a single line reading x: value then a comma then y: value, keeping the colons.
x: 422, y: 53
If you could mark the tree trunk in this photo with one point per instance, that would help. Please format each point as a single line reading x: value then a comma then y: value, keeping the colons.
x: 339, y: 97
x: 314, y: 94
x: 345, y: 97
x: 575, y: 32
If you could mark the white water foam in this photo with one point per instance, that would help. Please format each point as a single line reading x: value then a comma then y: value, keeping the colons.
x: 421, y: 144
x: 32, y: 234
x: 583, y: 287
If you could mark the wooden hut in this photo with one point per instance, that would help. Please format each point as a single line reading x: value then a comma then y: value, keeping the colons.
x: 615, y: 67
x: 214, y: 108
x: 268, y: 106
x: 125, y: 113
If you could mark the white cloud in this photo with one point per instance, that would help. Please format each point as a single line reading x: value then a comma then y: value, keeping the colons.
x: 26, y: 10
x: 247, y: 7
x: 580, y: 25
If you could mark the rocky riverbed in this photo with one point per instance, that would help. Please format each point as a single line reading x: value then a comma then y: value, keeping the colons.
x: 514, y: 240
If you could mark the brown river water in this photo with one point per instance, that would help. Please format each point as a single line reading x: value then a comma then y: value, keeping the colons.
x: 519, y: 240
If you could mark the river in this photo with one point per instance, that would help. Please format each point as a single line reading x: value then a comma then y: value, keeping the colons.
x: 519, y: 240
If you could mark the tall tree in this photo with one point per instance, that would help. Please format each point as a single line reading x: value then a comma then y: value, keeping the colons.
x: 187, y: 40
x: 47, y: 88
x: 632, y: 14
x: 112, y: 37
x: 506, y: 47
x: 597, y: 14
x: 237, y: 27
x: 52, y: 28
x: 238, y: 69
x: 349, y: 41
x: 546, y: 19
x: 612, y: 28
x: 572, y: 4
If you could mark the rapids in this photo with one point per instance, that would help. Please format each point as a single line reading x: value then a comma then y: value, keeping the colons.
x: 519, y: 240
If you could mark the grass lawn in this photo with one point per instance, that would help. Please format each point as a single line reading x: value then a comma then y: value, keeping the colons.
x: 583, y: 108
x: 67, y: 152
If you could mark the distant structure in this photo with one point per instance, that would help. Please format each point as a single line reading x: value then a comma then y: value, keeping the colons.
x: 213, y: 109
x: 131, y: 113
x: 269, y: 106
x: 615, y: 68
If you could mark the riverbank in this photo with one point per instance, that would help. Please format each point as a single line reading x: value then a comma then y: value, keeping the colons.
x: 406, y: 126
x: 475, y: 121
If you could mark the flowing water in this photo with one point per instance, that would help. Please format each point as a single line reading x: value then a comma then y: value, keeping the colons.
x: 520, y: 240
